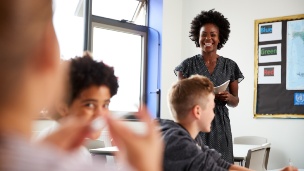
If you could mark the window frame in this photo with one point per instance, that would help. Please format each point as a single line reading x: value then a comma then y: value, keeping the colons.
x: 91, y: 21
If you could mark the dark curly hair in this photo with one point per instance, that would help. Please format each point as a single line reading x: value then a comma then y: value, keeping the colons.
x: 212, y: 17
x: 86, y: 72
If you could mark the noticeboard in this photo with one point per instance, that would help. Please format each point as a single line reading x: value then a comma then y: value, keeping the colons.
x: 279, y: 67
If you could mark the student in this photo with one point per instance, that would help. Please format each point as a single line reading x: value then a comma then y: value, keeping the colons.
x: 30, y: 77
x: 91, y: 84
x: 191, y: 102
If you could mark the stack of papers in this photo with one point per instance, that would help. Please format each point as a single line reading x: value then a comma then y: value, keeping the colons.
x: 221, y: 87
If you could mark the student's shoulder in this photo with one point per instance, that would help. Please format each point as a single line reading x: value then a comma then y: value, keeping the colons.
x: 167, y: 125
x: 173, y: 132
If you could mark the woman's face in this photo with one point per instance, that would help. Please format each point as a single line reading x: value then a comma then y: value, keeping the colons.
x: 209, y: 37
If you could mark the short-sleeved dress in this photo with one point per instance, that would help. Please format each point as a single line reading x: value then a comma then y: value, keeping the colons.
x: 220, y: 137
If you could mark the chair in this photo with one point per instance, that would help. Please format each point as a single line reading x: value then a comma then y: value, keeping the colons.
x: 252, y: 140
x: 257, y: 158
x: 91, y: 144
x: 266, y: 157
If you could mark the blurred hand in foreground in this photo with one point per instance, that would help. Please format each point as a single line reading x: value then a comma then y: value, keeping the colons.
x: 143, y: 152
x: 70, y: 135
x: 290, y: 168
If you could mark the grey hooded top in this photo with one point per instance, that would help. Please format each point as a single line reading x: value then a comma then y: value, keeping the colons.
x: 182, y: 153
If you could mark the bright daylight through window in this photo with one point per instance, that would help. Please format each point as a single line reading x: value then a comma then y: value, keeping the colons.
x: 124, y: 49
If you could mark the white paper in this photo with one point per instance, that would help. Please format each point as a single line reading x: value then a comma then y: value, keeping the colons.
x: 269, y: 74
x: 98, y: 124
x: 265, y: 58
x: 295, y: 55
x: 275, y: 34
x: 221, y: 87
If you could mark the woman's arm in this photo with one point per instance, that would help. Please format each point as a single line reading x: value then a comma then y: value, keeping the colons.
x: 233, y: 97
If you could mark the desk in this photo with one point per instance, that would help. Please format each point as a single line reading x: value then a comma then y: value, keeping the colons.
x: 104, y: 151
x: 240, y: 151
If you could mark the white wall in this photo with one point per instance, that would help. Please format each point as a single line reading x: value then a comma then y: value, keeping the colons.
x: 285, y: 135
x: 171, y: 48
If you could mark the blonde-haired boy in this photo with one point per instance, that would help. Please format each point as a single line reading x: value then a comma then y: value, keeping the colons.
x: 191, y: 102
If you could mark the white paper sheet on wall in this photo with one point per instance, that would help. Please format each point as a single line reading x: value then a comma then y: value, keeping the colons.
x: 270, y: 53
x: 269, y: 74
x: 295, y: 55
x: 270, y: 31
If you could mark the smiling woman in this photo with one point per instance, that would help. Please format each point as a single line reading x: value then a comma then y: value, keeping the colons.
x: 210, y: 31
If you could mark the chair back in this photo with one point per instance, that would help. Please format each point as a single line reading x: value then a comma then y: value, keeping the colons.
x: 252, y: 140
x: 257, y: 158
x: 91, y: 144
x: 266, y: 157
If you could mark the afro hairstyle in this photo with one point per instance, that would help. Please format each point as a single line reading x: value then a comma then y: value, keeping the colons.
x: 210, y: 17
x: 86, y: 72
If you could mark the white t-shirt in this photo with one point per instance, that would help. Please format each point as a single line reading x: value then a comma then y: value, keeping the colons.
x: 82, y: 157
x: 16, y: 154
x: 82, y: 153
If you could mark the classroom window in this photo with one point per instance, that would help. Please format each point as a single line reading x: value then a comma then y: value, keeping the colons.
x: 114, y: 37
x: 133, y: 11
x: 69, y: 28
x: 122, y: 49
x: 116, y: 34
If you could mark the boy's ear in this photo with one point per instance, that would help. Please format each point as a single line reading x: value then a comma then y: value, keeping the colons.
x: 196, y: 111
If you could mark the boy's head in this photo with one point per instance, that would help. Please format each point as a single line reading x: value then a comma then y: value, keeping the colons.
x: 91, y: 84
x: 193, y: 97
x: 85, y: 72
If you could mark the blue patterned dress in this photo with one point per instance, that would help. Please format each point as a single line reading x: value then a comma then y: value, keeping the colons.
x: 220, y: 137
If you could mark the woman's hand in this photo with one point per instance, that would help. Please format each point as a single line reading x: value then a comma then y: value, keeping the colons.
x: 223, y: 96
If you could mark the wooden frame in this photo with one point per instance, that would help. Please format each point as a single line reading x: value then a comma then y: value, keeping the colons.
x: 280, y: 94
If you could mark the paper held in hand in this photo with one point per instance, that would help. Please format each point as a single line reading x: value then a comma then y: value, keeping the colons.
x: 221, y: 87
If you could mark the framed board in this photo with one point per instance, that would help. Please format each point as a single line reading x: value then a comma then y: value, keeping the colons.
x: 279, y: 67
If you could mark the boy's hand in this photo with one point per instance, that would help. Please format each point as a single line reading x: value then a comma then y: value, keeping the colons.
x: 290, y: 168
x: 142, y: 152
x: 70, y: 135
